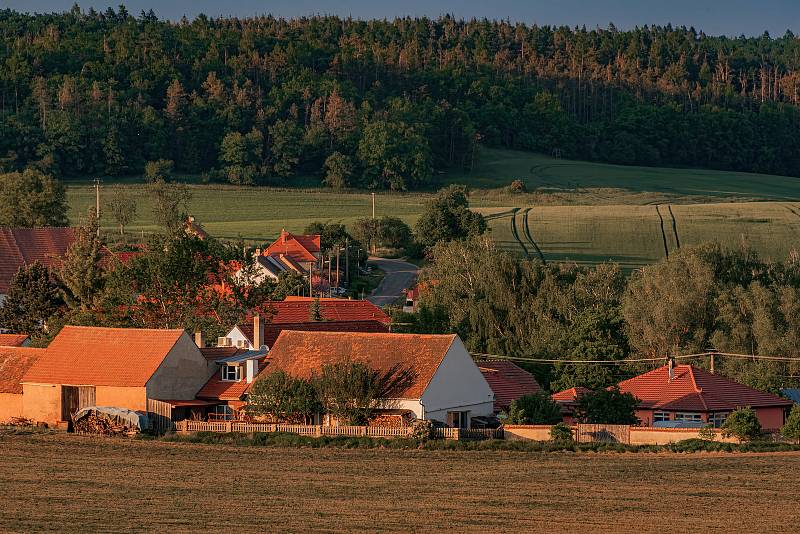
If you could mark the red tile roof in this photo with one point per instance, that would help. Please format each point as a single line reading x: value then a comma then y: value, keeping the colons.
x: 20, y: 247
x: 508, y: 381
x: 83, y: 355
x: 218, y: 389
x: 300, y: 248
x: 12, y: 340
x: 216, y: 353
x: 302, y: 354
x: 696, y: 390
x: 14, y: 362
x: 340, y: 316
x: 570, y: 395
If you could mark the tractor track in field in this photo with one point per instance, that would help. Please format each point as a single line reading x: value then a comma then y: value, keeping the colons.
x: 663, y: 233
x: 526, y: 229
x: 674, y: 226
x: 794, y: 211
x: 515, y: 233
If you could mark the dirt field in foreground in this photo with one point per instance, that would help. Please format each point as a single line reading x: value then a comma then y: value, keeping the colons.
x: 70, y: 483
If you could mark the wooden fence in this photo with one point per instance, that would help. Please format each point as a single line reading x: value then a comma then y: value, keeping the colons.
x: 603, y: 433
x: 321, y: 430
x: 160, y: 415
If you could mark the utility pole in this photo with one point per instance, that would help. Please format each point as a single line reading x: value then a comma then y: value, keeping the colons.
x: 712, y: 362
x: 337, y: 266
x: 347, y: 259
x: 330, y: 262
x: 310, y: 279
x: 373, y: 205
x: 97, y: 203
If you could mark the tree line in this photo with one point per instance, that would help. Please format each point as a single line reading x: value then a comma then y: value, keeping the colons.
x: 382, y: 104
x: 699, y: 299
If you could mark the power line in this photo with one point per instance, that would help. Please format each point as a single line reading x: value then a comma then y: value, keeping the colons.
x: 638, y: 360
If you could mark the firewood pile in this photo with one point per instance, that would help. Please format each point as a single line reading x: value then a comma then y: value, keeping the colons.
x: 392, y: 420
x: 105, y: 426
x: 21, y: 421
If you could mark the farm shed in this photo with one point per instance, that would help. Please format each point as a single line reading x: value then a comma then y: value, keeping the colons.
x: 446, y: 384
x: 14, y: 362
x: 689, y: 394
x: 124, y: 368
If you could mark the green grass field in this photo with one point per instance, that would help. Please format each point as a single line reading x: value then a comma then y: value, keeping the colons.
x: 638, y: 235
x: 575, y: 211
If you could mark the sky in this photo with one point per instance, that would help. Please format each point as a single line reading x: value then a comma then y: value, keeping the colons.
x: 714, y: 17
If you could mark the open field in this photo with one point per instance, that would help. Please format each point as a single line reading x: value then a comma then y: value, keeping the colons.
x: 73, y: 483
x: 637, y: 235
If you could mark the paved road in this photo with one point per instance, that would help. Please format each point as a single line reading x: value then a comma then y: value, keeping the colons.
x: 400, y: 275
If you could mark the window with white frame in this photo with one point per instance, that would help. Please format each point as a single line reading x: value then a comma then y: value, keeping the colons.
x: 458, y: 419
x: 660, y: 416
x: 717, y: 419
x: 231, y: 373
x: 688, y: 416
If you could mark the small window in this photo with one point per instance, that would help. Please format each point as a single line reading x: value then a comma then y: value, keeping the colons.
x: 458, y: 419
x: 685, y: 416
x: 717, y: 419
x: 660, y: 416
x: 231, y: 373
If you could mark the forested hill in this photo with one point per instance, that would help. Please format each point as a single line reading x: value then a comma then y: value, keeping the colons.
x: 383, y: 103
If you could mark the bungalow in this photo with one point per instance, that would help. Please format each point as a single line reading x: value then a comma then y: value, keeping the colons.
x: 294, y: 313
x: 143, y: 370
x: 508, y: 382
x: 15, y: 340
x: 20, y: 247
x: 14, y: 363
x: 444, y: 385
x: 691, y: 395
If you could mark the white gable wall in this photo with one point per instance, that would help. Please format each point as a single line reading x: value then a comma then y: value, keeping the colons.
x: 457, y: 386
x: 181, y: 374
x: 236, y: 336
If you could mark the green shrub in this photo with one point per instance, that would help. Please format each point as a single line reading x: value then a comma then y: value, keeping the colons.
x: 707, y: 433
x: 535, y: 409
x: 422, y: 430
x: 742, y: 424
x: 791, y: 430
x: 561, y: 433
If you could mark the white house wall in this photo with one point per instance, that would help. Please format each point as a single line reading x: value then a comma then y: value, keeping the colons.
x: 236, y: 336
x: 457, y: 386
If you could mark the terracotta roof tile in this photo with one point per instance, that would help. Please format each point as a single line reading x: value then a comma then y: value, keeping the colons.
x: 218, y: 389
x: 14, y: 362
x: 216, y: 353
x: 300, y: 248
x: 508, y: 381
x: 13, y: 340
x: 302, y: 354
x: 82, y: 355
x: 570, y: 395
x: 696, y: 390
x: 20, y: 247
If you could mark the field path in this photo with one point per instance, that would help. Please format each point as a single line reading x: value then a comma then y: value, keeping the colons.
x: 400, y: 275
x: 527, y: 231
x: 674, y: 226
x: 663, y: 232
x: 515, y: 233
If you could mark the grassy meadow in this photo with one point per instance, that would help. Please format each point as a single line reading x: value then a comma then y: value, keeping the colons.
x: 78, y: 483
x: 573, y: 211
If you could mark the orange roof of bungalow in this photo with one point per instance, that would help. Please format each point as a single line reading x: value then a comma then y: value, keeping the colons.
x: 300, y: 248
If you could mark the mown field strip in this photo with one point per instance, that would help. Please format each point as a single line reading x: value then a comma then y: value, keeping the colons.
x: 86, y: 484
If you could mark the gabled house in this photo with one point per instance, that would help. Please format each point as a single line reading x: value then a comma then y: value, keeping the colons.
x: 14, y: 340
x: 295, y: 251
x: 20, y: 247
x: 294, y: 313
x: 685, y: 395
x: 444, y: 382
x: 508, y: 381
x: 137, y: 369
x: 14, y: 363
x: 236, y: 370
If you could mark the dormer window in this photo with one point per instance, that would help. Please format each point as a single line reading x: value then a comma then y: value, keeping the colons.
x: 231, y: 373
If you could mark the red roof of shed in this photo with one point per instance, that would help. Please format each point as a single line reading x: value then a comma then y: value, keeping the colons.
x: 696, y: 390
x: 508, y: 381
x: 14, y: 362
x: 12, y: 340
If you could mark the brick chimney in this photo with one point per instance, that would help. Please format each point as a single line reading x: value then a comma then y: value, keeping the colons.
x: 671, y: 367
x: 258, y: 332
x: 199, y: 339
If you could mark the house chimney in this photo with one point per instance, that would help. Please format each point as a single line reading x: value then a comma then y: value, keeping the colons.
x: 258, y: 332
x: 199, y: 340
x: 258, y: 252
x: 251, y: 370
x: 671, y: 367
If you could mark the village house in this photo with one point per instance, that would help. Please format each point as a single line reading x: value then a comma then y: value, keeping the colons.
x: 294, y: 313
x: 290, y: 252
x: 15, y: 340
x: 445, y: 384
x: 14, y: 363
x: 685, y: 395
x: 143, y: 370
x: 508, y: 381
x: 568, y: 400
x: 21, y: 247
